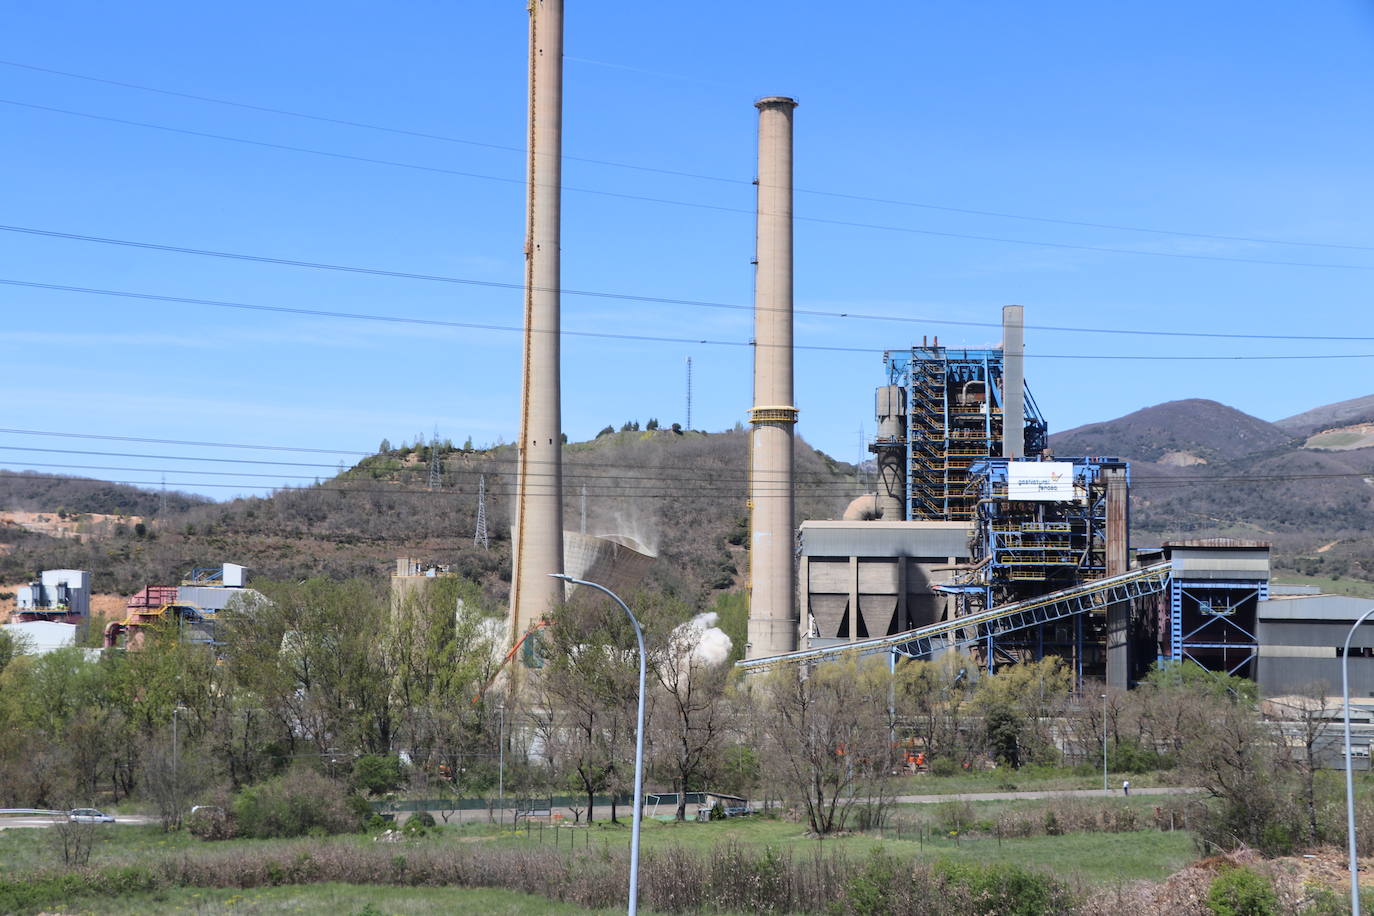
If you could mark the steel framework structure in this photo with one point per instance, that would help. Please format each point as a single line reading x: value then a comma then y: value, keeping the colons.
x: 1208, y: 622
x: 987, y: 627
x: 954, y: 418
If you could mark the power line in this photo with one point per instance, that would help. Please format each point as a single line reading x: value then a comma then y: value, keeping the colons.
x: 574, y: 469
x: 154, y: 297
x: 732, y: 494
x: 609, y: 335
x: 263, y: 448
x: 428, y: 135
x: 699, y: 205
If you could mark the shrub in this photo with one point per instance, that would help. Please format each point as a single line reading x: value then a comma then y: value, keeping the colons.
x: 1008, y: 890
x: 376, y: 774
x: 292, y: 805
x: 954, y: 815
x: 210, y: 822
x: 869, y: 892
x: 418, y: 823
x: 944, y: 766
x: 1242, y: 892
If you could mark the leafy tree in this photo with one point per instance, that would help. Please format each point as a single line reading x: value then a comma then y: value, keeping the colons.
x: 652, y: 424
x: 377, y: 774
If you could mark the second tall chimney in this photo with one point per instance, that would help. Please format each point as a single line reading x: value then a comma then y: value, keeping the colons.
x: 773, y: 620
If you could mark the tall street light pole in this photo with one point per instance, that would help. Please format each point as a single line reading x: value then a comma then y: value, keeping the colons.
x: 1106, y: 790
x: 1349, y: 766
x: 639, y: 739
x: 501, y: 768
x: 176, y: 770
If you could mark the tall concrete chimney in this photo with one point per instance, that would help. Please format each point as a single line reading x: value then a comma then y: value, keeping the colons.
x: 773, y: 622
x: 1013, y: 382
x: 538, y: 535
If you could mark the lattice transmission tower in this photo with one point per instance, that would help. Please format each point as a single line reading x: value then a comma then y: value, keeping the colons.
x: 436, y: 466
x: 479, y: 539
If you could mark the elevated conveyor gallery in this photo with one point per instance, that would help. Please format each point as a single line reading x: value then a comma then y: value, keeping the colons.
x: 986, y: 626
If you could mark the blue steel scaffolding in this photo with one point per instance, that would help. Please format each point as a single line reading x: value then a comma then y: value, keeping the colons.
x: 1021, y: 549
x: 954, y: 418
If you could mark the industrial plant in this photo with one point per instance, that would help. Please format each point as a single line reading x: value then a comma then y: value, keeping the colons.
x: 976, y: 539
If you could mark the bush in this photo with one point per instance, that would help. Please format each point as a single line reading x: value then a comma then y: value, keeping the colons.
x: 293, y: 805
x: 418, y: 823
x: 376, y: 774
x: 944, y: 766
x: 1242, y: 892
x: 1008, y: 890
x: 210, y: 822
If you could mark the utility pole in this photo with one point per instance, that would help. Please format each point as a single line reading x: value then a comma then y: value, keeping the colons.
x: 689, y: 392
x: 479, y: 538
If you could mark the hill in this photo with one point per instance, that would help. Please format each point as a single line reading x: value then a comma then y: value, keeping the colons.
x: 34, y: 492
x: 1193, y: 431
x: 1329, y: 416
x: 681, y: 494
x: 1203, y: 469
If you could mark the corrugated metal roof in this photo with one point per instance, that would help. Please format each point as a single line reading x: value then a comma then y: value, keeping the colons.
x: 884, y: 539
x: 1340, y: 608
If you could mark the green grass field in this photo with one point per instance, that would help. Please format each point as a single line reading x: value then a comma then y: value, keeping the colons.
x: 1090, y: 857
x: 1345, y: 585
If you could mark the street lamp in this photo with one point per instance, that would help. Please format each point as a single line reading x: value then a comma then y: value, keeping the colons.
x: 176, y: 770
x: 501, y: 768
x: 639, y: 740
x: 1349, y: 766
x: 1106, y: 790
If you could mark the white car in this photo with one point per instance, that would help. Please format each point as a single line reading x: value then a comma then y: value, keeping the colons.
x: 89, y: 816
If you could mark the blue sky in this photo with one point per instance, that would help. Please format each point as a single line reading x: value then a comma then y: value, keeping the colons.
x: 1220, y: 119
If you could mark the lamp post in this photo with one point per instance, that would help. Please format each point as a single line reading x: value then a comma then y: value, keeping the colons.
x: 639, y: 740
x: 1349, y: 766
x: 176, y: 770
x: 1106, y: 790
x: 501, y: 768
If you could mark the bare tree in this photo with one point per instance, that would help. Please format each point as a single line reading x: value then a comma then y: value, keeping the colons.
x: 825, y: 737
x: 693, y: 713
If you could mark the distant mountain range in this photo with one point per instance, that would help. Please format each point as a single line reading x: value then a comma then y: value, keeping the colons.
x: 1200, y: 468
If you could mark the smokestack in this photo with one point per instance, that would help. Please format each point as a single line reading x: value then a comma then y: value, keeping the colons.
x: 773, y: 624
x: 1013, y: 382
x: 538, y: 535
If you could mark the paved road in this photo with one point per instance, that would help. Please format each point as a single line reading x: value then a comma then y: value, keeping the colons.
x: 1042, y: 793
x: 7, y: 823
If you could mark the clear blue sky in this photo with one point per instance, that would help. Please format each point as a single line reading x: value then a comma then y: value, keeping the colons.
x: 1246, y: 119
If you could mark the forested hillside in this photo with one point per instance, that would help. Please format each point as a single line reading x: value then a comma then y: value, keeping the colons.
x: 680, y: 493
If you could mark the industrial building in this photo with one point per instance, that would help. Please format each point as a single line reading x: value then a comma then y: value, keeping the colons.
x: 1300, y: 640
x: 978, y: 539
x: 192, y: 606
x: 57, y: 595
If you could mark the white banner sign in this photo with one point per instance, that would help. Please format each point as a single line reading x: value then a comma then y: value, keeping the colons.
x: 1040, y: 480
